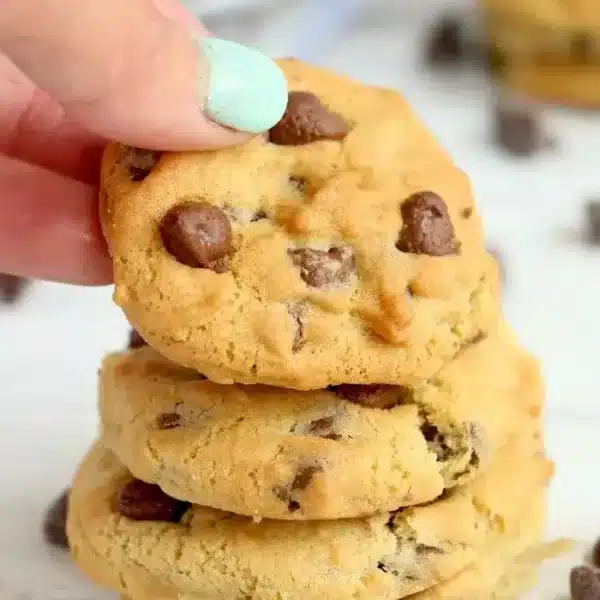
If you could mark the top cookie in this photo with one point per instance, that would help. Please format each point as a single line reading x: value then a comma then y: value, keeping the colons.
x: 580, y: 14
x: 342, y: 247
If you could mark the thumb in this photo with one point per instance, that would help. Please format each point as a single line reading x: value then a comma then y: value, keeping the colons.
x: 129, y: 73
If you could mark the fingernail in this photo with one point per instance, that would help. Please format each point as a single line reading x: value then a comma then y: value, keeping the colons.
x: 245, y: 89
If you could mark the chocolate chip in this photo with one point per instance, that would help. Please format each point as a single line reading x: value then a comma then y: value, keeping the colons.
x: 258, y: 216
x: 139, y: 162
x: 319, y: 268
x: 426, y: 226
x: 298, y: 183
x: 426, y: 549
x: 466, y: 213
x: 12, y: 288
x: 198, y: 235
x: 304, y: 476
x: 306, y: 120
x: 55, y: 521
x: 518, y: 130
x: 494, y: 60
x: 147, y: 502
x: 436, y: 441
x: 373, y: 396
x: 136, y: 340
x: 323, y: 428
x: 446, y: 44
x: 584, y: 584
x: 168, y: 420
x: 593, y: 220
x: 296, y: 311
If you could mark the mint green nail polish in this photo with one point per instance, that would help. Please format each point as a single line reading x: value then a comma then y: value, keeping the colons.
x: 245, y: 90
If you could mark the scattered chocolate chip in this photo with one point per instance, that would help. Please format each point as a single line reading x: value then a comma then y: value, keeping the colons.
x: 584, y: 583
x: 593, y: 220
x: 466, y: 213
x: 135, y: 340
x: 426, y: 226
x: 306, y: 120
x: 12, y: 288
x: 446, y: 44
x: 297, y: 313
x: 518, y: 130
x: 373, y: 396
x: 139, y: 162
x: 55, y: 521
x: 323, y: 428
x: 147, y: 502
x: 319, y: 268
x: 198, y: 235
x: 168, y: 420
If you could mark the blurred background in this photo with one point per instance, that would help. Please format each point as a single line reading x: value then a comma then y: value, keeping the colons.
x: 534, y: 200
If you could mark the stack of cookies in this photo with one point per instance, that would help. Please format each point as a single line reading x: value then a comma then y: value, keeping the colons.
x: 325, y: 401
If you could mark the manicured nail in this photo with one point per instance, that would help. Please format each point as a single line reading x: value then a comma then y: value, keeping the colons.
x: 245, y: 89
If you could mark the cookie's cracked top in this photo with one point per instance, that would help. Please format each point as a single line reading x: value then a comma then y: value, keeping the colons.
x: 341, y: 247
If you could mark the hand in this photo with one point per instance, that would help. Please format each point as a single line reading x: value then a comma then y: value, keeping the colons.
x: 75, y: 73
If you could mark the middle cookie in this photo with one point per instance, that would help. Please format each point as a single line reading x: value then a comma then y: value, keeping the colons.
x: 343, y: 452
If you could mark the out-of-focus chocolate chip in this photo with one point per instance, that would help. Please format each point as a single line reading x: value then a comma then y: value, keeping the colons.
x: 55, y: 521
x: 584, y: 583
x: 147, y: 502
x: 595, y: 556
x: 319, y: 268
x: 139, y: 162
x: 373, y: 396
x: 494, y: 60
x: 306, y: 120
x: 135, y: 340
x: 170, y: 420
x: 426, y: 226
x: 446, y: 43
x: 324, y: 428
x: 198, y: 235
x: 582, y: 48
x: 12, y: 288
x: 518, y: 130
x: 592, y: 210
x: 466, y: 213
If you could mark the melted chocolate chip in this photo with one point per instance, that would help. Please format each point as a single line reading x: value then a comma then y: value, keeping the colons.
x: 12, y: 288
x: 373, y: 396
x: 321, y: 269
x: 139, y: 162
x: 55, y: 521
x: 135, y: 340
x: 323, y: 428
x: 147, y: 502
x: 584, y: 583
x: 198, y: 235
x: 168, y: 420
x: 426, y: 226
x: 306, y: 120
x: 302, y: 480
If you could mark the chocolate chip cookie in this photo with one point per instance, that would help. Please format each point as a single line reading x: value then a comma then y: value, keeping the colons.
x: 345, y: 451
x: 342, y: 246
x: 152, y: 541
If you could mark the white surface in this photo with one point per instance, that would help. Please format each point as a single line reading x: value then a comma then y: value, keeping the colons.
x: 50, y: 348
